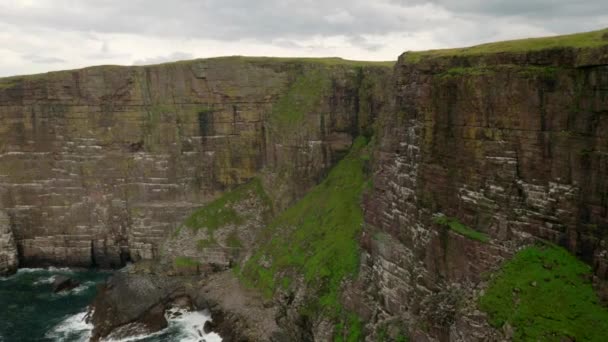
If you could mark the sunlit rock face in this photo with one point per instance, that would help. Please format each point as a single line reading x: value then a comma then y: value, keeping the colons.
x: 98, y: 165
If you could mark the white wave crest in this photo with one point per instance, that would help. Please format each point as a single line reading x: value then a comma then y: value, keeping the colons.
x: 30, y: 270
x: 47, y: 280
x: 184, y: 326
x: 73, y: 328
x: 191, y: 325
x: 60, y: 269
x: 83, y: 287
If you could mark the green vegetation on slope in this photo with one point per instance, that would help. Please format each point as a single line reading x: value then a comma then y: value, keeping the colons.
x: 219, y: 213
x: 545, y: 294
x: 579, y: 40
x: 317, y: 237
x: 303, y: 96
x: 526, y: 70
x: 329, y: 61
x: 9, y: 82
x: 460, y: 228
x: 185, y: 262
x: 351, y: 330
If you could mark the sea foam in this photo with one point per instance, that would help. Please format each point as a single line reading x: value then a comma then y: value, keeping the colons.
x: 184, y: 326
x: 73, y: 328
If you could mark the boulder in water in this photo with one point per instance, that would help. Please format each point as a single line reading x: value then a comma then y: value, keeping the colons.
x: 63, y: 283
x: 132, y: 304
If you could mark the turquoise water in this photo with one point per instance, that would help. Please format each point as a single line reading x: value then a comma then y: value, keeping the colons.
x: 30, y: 311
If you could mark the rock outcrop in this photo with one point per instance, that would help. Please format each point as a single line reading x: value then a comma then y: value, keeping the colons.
x: 129, y: 305
x: 63, y: 283
x: 8, y: 250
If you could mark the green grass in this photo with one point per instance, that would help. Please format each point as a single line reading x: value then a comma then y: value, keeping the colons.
x: 8, y: 82
x: 545, y: 294
x: 233, y: 240
x: 460, y: 228
x: 185, y: 262
x: 316, y: 237
x: 328, y: 61
x: 206, y: 243
x: 302, y: 98
x: 402, y: 338
x: 351, y: 330
x: 528, y: 71
x: 579, y: 40
x: 219, y: 213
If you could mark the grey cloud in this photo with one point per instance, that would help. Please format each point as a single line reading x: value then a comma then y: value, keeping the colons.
x: 221, y: 19
x: 42, y: 59
x: 365, y: 43
x: 268, y: 20
x: 105, y: 52
x: 175, y: 56
x: 529, y: 8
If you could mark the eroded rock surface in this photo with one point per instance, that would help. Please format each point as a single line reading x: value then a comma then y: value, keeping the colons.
x: 8, y: 249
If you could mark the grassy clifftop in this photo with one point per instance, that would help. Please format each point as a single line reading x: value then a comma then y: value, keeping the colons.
x: 7, y: 82
x: 578, y: 40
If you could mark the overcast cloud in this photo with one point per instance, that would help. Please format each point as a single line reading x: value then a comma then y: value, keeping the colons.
x: 43, y: 35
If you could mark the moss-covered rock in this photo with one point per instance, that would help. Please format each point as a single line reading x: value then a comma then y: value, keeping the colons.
x: 545, y: 294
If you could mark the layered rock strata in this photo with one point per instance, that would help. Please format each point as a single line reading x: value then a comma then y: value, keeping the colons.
x: 98, y: 165
x: 512, y: 145
x: 8, y: 249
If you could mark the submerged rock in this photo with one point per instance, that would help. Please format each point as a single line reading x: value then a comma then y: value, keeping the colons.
x: 63, y: 283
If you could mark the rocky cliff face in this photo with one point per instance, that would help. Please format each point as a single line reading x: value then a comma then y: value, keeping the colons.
x: 98, y: 165
x: 8, y: 249
x: 511, y: 147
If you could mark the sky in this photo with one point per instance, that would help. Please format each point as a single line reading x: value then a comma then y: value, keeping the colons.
x: 44, y: 35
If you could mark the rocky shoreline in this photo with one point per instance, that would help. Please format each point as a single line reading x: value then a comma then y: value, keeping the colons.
x: 134, y: 302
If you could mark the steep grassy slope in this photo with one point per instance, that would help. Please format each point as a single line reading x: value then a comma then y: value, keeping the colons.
x: 316, y: 238
x: 222, y: 230
x: 220, y: 212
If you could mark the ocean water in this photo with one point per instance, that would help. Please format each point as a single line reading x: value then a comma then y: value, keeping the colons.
x: 30, y: 311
